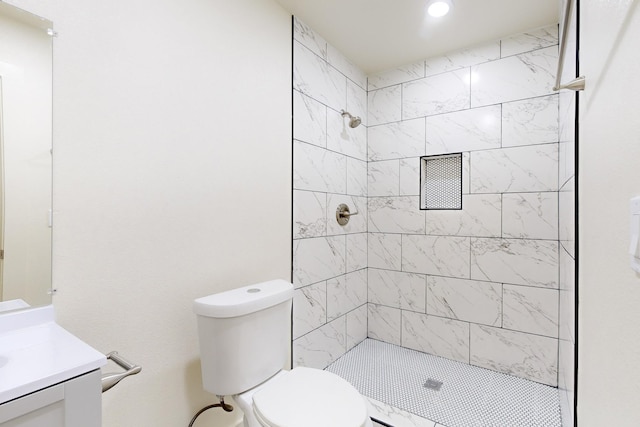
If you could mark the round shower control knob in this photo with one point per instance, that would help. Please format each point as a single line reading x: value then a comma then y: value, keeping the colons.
x: 343, y: 214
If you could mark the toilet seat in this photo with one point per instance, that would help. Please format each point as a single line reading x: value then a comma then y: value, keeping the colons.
x: 307, y: 397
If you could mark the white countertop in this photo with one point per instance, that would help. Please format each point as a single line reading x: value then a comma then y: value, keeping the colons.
x: 36, y: 353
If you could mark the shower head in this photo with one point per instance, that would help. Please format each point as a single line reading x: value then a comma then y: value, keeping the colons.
x: 354, y: 122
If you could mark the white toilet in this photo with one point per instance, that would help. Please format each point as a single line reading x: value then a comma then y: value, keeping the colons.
x: 244, y: 340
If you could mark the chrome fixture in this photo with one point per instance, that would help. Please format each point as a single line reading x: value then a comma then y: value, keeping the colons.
x: 111, y: 379
x: 343, y: 214
x: 578, y: 83
x: 354, y: 122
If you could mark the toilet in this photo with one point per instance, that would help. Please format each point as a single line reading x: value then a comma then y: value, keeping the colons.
x: 244, y: 341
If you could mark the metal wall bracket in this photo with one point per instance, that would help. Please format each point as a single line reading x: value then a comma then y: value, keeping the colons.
x: 576, y: 84
x: 111, y: 379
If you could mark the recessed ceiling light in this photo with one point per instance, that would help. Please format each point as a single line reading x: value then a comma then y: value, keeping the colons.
x: 439, y: 8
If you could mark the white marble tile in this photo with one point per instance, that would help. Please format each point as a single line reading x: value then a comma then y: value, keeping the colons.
x: 357, y: 101
x: 403, y: 74
x: 356, y: 326
x: 344, y: 139
x: 567, y: 209
x: 396, y: 215
x: 442, y: 256
x: 468, y: 300
x: 384, y: 323
x: 357, y: 223
x: 309, y: 308
x: 309, y: 214
x: 384, y: 178
x: 566, y: 364
x: 566, y: 383
x: 530, y: 215
x: 512, y: 170
x: 345, y: 293
x: 435, y: 335
x: 530, y: 40
x: 567, y: 316
x: 397, y: 289
x: 480, y: 216
x: 466, y: 173
x: 410, y: 177
x: 567, y: 300
x: 384, y: 105
x: 346, y: 67
x: 567, y: 270
x: 531, y: 121
x: 317, y: 169
x: 567, y: 113
x: 467, y: 130
x: 309, y: 120
x: 567, y: 163
x: 309, y: 38
x: 318, y: 259
x: 314, y: 77
x: 463, y: 58
x: 517, y: 77
x: 438, y: 94
x: 385, y: 251
x: 563, y: 346
x: 357, y: 177
x: 515, y: 261
x: 524, y: 355
x: 397, y: 140
x: 395, y: 417
x: 533, y: 310
x: 321, y: 346
x: 356, y: 251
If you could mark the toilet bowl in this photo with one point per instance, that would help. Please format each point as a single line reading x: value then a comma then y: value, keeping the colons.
x: 304, y: 397
x: 244, y: 342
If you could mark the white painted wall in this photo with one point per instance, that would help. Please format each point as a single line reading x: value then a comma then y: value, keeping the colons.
x: 609, y: 175
x: 172, y: 180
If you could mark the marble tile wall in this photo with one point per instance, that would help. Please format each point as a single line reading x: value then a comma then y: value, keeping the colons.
x: 329, y: 168
x: 485, y: 285
x: 479, y: 285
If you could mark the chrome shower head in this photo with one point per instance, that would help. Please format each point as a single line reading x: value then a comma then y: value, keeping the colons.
x: 354, y: 122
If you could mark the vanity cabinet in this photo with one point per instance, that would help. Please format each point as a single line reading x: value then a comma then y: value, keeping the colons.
x: 72, y: 403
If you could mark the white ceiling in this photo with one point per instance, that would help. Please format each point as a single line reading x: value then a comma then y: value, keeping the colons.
x: 378, y: 35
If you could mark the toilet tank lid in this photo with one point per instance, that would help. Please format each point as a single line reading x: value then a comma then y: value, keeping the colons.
x: 245, y: 300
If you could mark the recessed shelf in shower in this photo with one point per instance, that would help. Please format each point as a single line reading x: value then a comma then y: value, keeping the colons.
x: 441, y: 182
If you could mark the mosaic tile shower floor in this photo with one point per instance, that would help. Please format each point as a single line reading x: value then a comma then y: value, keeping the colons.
x: 469, y: 396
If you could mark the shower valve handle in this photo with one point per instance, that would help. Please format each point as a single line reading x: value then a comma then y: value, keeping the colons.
x: 343, y: 214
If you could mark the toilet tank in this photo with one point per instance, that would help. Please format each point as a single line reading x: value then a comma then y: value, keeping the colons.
x: 244, y: 335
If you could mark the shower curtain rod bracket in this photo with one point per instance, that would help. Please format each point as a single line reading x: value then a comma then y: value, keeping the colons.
x: 576, y: 84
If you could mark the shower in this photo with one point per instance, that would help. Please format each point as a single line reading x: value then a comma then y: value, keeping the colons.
x: 354, y: 122
x: 371, y: 299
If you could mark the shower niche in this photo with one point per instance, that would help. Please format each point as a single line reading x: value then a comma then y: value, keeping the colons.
x: 441, y: 182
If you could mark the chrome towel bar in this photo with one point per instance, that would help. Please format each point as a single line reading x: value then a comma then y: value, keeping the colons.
x: 111, y: 379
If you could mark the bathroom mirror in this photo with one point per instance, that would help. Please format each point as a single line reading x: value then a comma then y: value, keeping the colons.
x: 25, y: 158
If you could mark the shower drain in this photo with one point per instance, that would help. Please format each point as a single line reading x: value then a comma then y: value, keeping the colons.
x: 433, y: 384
